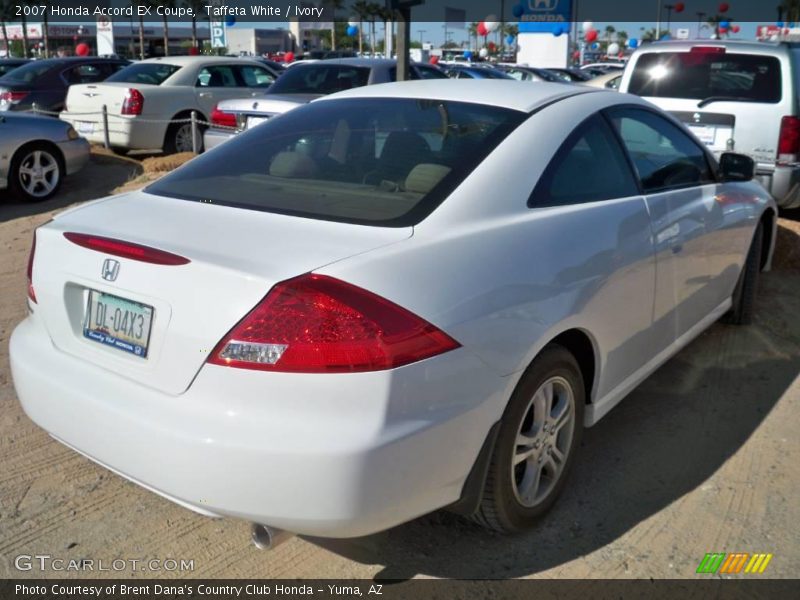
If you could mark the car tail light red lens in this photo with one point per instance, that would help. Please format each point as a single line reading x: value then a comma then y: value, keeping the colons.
x: 125, y: 249
x: 12, y: 97
x: 31, y: 292
x: 133, y: 103
x: 222, y: 118
x: 789, y: 140
x: 708, y: 49
x: 318, y: 324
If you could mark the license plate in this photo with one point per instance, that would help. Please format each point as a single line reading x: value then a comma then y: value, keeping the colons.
x: 85, y: 127
x: 117, y: 322
x: 705, y: 133
x: 253, y: 121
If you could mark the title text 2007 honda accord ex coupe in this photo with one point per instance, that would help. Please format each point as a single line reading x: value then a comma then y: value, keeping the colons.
x: 394, y: 299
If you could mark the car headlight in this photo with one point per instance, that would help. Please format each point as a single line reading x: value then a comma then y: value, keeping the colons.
x: 71, y: 133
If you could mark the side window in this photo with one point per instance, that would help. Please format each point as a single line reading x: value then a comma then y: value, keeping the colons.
x: 590, y: 166
x: 665, y: 157
x: 255, y: 77
x: 216, y: 76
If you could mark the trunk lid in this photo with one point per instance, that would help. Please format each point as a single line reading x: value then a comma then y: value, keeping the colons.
x: 236, y: 256
x: 91, y: 97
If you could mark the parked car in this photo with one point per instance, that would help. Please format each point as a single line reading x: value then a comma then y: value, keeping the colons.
x: 524, y: 73
x: 36, y: 153
x: 475, y: 72
x: 302, y: 84
x: 740, y: 96
x: 386, y: 302
x: 572, y: 75
x: 609, y: 80
x: 45, y: 82
x: 9, y: 64
x: 604, y: 66
x: 150, y: 102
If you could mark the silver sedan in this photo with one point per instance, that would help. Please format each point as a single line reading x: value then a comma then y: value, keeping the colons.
x: 36, y: 153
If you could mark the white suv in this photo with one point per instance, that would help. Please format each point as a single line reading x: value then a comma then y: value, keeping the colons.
x: 734, y: 96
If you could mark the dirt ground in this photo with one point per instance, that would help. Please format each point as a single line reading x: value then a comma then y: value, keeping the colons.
x: 703, y: 457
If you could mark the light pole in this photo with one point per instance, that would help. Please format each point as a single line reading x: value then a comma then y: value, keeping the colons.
x: 669, y: 8
x: 700, y: 17
x: 421, y: 31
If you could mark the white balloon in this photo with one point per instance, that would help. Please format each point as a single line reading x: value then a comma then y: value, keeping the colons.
x: 484, y: 53
x: 353, y: 22
x: 613, y: 48
x: 586, y: 26
x: 491, y: 23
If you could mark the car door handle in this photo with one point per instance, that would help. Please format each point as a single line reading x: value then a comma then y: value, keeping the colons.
x: 205, y: 94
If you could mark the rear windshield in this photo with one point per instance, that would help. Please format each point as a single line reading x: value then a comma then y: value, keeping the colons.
x: 374, y: 161
x: 6, y: 67
x: 152, y: 73
x: 30, y: 72
x: 320, y: 79
x: 702, y: 75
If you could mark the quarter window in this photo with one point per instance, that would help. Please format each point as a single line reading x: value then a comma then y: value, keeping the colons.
x: 589, y: 167
x: 254, y: 77
x: 221, y: 76
x: 664, y: 156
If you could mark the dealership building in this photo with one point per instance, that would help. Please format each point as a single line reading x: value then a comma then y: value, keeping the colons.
x: 125, y: 40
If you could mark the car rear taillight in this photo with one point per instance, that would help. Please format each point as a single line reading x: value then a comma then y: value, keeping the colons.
x: 31, y: 292
x: 125, y: 249
x: 318, y: 324
x: 133, y: 104
x: 12, y: 97
x: 789, y: 140
x: 222, y: 118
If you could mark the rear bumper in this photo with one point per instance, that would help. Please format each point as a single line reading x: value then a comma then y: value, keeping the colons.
x: 76, y: 154
x: 326, y: 455
x: 132, y: 133
x: 214, y: 137
x: 783, y: 182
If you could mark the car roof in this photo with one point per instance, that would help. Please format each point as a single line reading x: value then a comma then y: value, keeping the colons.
x: 745, y: 46
x: 183, y: 61
x: 512, y: 94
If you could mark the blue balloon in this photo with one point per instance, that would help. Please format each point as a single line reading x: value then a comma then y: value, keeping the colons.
x: 230, y: 21
x: 352, y: 30
x: 779, y: 24
x: 595, y: 46
x: 509, y: 39
x: 725, y: 24
x: 468, y: 54
x: 633, y: 43
x: 558, y: 30
x: 518, y: 10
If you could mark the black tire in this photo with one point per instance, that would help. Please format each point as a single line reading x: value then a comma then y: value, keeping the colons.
x: 51, y: 164
x: 177, y: 136
x: 501, y: 507
x: 119, y: 150
x: 744, y: 294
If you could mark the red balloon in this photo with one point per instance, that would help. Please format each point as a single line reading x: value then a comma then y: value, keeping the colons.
x: 482, y: 31
x: 723, y: 30
x: 193, y: 51
x: 434, y: 60
x: 492, y: 46
x: 723, y: 7
x: 82, y: 49
x: 591, y: 35
x: 736, y: 29
x: 576, y: 55
x: 679, y: 7
x: 288, y: 57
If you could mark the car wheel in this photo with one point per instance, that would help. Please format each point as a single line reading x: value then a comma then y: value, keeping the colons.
x: 744, y: 294
x: 35, y: 172
x: 538, y: 437
x: 179, y: 138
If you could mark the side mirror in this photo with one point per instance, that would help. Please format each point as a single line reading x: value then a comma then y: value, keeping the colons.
x: 736, y: 167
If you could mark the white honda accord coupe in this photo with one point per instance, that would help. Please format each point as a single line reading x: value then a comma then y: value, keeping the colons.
x: 395, y: 299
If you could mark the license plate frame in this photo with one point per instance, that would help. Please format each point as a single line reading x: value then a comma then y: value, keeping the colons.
x: 253, y: 121
x: 96, y: 326
x: 85, y: 127
x: 705, y: 133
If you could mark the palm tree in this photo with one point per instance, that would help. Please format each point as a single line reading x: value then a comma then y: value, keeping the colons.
x: 6, y: 13
x: 375, y: 10
x: 790, y: 11
x: 362, y: 10
x: 334, y: 6
x: 622, y: 39
x: 168, y: 4
x: 472, y: 32
x: 386, y: 15
x: 197, y: 7
x: 610, y: 29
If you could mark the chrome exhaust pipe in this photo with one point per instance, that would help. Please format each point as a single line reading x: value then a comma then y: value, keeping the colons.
x: 268, y: 538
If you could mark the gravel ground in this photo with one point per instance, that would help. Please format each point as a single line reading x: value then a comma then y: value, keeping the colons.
x: 703, y: 457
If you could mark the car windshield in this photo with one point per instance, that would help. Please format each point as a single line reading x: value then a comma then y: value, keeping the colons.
x: 143, y: 73
x: 320, y: 79
x: 375, y: 161
x: 29, y: 72
x: 701, y: 75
